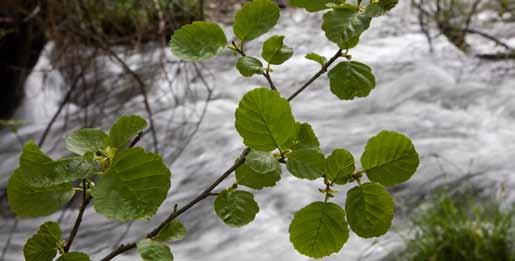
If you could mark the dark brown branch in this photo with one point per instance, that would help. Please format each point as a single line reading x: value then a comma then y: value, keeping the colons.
x: 208, y: 191
x: 269, y: 80
x: 85, y: 201
x: 317, y: 75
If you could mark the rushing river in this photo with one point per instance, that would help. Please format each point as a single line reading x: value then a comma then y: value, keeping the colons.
x: 459, y: 111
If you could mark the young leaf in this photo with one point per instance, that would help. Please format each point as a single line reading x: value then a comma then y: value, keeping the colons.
x: 319, y: 229
x: 312, y: 5
x: 44, y: 244
x: 306, y: 163
x: 261, y: 161
x: 26, y: 200
x: 74, y: 256
x: 380, y: 7
x: 133, y: 187
x: 151, y: 250
x: 344, y: 26
x: 247, y: 176
x: 125, y: 129
x: 389, y: 158
x: 248, y: 66
x: 173, y: 231
x: 236, y: 208
x: 87, y: 140
x: 198, y: 41
x: 274, y: 50
x: 264, y: 120
x: 369, y: 210
x: 339, y: 166
x: 317, y: 58
x: 255, y: 18
x: 349, y: 80
x: 306, y: 137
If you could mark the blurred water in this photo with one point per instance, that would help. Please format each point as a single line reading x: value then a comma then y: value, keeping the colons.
x: 459, y: 112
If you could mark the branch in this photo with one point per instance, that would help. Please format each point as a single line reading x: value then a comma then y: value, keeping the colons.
x: 317, y: 75
x: 85, y: 201
x: 208, y: 191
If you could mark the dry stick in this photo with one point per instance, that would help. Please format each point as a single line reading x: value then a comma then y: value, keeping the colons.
x: 208, y: 191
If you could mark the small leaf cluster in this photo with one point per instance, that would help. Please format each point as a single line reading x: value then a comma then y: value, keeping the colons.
x: 273, y: 136
x: 125, y: 183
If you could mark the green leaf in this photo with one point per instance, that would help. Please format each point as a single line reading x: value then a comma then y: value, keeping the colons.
x: 260, y: 170
x: 317, y: 58
x: 369, y: 210
x: 125, y: 129
x: 261, y: 161
x: 380, y: 7
x: 255, y: 18
x: 305, y: 137
x: 319, y: 229
x: 349, y: 80
x: 39, y: 170
x: 198, y: 41
x: 44, y: 244
x: 390, y: 158
x: 87, y: 140
x: 74, y: 256
x: 172, y: 231
x: 274, y: 50
x: 339, y: 166
x: 264, y: 120
x: 344, y: 26
x: 133, y: 187
x: 312, y: 5
x: 150, y: 250
x: 26, y: 200
x: 236, y: 208
x: 248, y: 66
x: 306, y: 163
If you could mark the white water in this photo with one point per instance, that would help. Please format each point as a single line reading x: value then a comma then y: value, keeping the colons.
x: 453, y: 106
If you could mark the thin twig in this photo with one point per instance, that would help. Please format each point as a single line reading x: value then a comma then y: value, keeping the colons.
x: 85, y: 201
x: 317, y: 75
x: 208, y: 191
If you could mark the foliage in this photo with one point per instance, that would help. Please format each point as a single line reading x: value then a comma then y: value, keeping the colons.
x: 127, y: 183
x: 462, y: 229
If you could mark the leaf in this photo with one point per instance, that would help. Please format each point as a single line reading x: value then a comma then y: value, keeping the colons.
x: 43, y: 245
x: 235, y: 207
x: 274, y: 50
x: 133, y: 187
x: 380, y: 7
x: 150, y: 250
x: 198, y: 41
x: 312, y: 5
x: 25, y: 200
x: 339, y: 166
x: 125, y: 129
x: 349, y: 80
x: 319, y: 229
x: 317, y: 58
x: 255, y: 18
x: 306, y: 137
x: 369, y: 210
x: 306, y: 163
x: 260, y: 170
x: 344, y: 26
x: 264, y: 120
x: 389, y: 158
x: 172, y: 231
x: 39, y: 170
x: 248, y: 66
x: 261, y: 161
x: 87, y: 140
x: 74, y: 256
